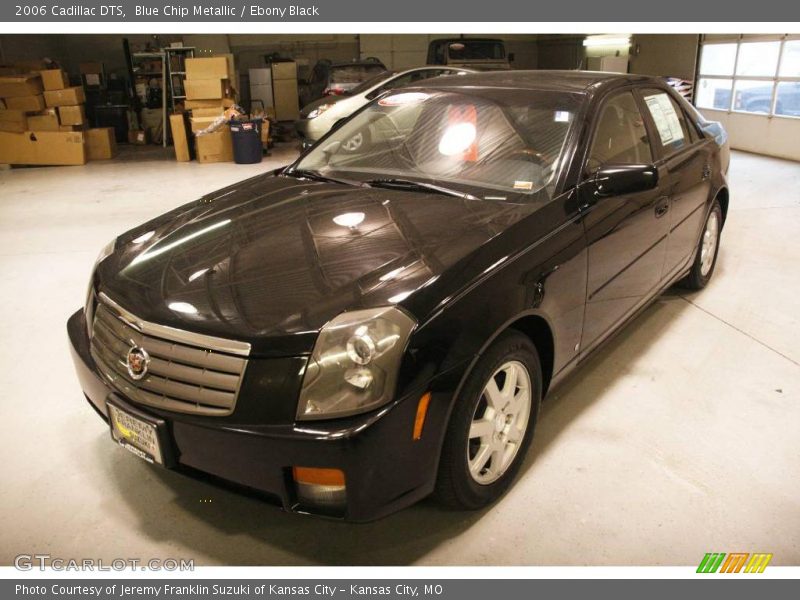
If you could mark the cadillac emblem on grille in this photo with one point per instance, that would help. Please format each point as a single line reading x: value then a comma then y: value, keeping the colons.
x: 137, y: 362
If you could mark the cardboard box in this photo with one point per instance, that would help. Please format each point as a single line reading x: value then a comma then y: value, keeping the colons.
x: 215, y: 67
x: 67, y: 97
x: 72, y: 115
x: 42, y: 148
x: 208, y: 112
x: 179, y: 138
x: 284, y: 70
x: 54, y: 79
x: 26, y: 103
x: 205, y: 89
x: 20, y: 85
x: 13, y: 120
x: 70, y: 128
x: 195, y: 104
x: 2, y: 103
x: 201, y: 123
x: 100, y: 143
x: 214, y: 147
x: 45, y: 121
x: 137, y: 136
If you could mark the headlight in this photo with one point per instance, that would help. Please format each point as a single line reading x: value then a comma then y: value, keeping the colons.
x: 354, y: 366
x: 318, y: 111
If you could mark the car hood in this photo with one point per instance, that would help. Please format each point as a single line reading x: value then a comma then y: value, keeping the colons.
x: 270, y: 258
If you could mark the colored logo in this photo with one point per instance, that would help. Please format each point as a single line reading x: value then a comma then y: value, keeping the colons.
x: 735, y: 562
x: 137, y: 362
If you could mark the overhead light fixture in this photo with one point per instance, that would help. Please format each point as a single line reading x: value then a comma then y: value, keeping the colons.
x: 594, y: 41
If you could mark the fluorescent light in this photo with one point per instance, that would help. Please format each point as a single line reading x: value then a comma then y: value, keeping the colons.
x: 351, y: 219
x: 197, y: 274
x: 601, y: 40
x: 183, y: 307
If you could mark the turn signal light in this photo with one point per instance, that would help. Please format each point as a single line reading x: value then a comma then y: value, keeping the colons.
x: 320, y: 490
x: 422, y: 412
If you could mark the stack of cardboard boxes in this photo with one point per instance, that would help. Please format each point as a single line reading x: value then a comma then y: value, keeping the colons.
x: 208, y: 94
x: 43, y: 122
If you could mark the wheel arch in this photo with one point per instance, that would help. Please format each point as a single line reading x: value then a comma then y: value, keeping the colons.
x: 723, y: 196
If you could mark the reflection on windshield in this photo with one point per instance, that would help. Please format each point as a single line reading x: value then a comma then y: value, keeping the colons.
x: 485, y: 141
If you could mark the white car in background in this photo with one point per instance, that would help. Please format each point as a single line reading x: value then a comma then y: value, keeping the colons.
x: 320, y: 116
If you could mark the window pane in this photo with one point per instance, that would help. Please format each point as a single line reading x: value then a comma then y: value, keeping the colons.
x: 758, y: 58
x: 620, y: 137
x: 790, y: 63
x: 718, y: 59
x: 714, y: 93
x: 788, y: 103
x: 668, y: 123
x: 752, y: 96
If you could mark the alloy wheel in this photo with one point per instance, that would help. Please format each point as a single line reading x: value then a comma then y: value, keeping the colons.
x: 499, y: 422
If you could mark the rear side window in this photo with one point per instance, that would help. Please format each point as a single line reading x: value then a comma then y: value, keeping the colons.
x: 620, y: 136
x: 669, y: 119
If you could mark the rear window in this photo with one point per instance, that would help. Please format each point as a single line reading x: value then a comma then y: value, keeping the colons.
x: 476, y: 50
x: 355, y: 73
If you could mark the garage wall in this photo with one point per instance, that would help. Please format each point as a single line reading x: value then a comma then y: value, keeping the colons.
x: 664, y: 55
x: 777, y: 136
x: 411, y: 50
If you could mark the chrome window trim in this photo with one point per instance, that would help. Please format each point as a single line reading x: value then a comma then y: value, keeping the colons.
x: 177, y: 335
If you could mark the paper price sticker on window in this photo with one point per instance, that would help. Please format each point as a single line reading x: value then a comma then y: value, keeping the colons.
x: 665, y: 117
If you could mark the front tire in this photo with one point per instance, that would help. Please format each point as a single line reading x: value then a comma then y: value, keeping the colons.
x: 705, y: 259
x: 492, y: 424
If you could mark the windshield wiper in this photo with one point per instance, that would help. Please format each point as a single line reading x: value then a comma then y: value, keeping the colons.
x: 408, y: 184
x: 317, y: 176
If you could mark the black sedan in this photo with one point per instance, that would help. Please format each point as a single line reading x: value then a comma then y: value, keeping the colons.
x: 372, y: 325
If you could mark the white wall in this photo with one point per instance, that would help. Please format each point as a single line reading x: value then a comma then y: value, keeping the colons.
x: 776, y: 136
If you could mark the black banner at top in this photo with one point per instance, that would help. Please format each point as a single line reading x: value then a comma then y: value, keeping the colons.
x: 250, y: 11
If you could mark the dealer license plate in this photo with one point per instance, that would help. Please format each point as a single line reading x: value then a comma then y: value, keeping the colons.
x: 138, y: 436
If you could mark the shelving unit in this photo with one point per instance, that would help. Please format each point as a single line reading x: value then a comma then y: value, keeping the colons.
x: 145, y: 76
x: 176, y: 57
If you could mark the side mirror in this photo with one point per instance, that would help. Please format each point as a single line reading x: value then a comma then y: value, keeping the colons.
x: 618, y: 180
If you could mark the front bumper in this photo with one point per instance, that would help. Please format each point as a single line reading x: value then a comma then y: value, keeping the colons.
x: 385, y: 469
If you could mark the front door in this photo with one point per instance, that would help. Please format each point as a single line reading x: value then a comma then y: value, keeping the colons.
x: 626, y: 234
x: 687, y: 157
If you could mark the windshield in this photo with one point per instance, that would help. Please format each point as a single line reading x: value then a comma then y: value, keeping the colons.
x: 476, y: 50
x: 490, y: 143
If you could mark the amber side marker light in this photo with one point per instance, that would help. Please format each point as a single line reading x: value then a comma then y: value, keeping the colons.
x: 422, y: 412
x: 314, y: 476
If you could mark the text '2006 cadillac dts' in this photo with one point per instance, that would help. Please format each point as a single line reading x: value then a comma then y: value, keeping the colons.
x: 379, y: 321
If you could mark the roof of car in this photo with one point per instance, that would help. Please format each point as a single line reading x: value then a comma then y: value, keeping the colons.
x: 572, y: 81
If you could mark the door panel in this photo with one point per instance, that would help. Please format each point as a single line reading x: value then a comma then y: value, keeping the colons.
x: 626, y: 234
x: 688, y: 164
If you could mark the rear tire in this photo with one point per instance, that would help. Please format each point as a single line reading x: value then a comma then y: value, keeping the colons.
x: 705, y: 259
x: 492, y: 424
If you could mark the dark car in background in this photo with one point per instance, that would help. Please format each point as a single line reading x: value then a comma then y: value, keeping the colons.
x: 368, y: 326
x: 485, y: 54
x: 337, y: 78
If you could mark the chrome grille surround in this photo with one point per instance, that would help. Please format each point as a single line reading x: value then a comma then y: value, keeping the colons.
x: 188, y: 372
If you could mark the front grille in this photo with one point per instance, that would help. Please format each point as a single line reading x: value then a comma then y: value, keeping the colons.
x: 188, y: 372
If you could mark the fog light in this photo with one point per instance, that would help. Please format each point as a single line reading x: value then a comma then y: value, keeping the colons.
x: 320, y: 490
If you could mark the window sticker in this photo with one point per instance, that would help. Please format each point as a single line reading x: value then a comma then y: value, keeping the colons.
x: 667, y: 122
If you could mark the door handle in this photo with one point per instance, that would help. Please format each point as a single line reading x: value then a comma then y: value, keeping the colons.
x: 662, y: 207
x: 706, y: 172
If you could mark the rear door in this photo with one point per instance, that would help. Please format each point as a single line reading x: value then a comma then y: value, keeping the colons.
x: 626, y: 234
x: 687, y: 157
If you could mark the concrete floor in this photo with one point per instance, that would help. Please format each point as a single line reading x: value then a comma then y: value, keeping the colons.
x: 680, y: 438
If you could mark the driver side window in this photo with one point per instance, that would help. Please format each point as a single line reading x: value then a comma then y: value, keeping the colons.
x: 620, y: 136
